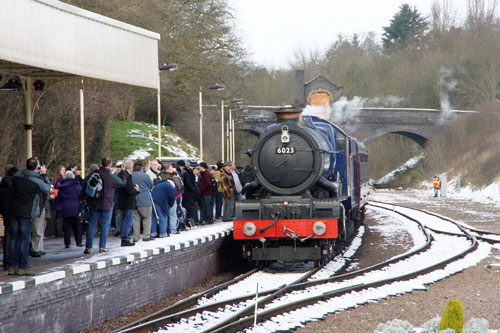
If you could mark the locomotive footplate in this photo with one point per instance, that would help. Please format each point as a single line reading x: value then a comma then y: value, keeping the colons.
x: 286, y: 253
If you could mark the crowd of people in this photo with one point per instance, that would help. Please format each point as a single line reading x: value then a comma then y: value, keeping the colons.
x: 145, y: 198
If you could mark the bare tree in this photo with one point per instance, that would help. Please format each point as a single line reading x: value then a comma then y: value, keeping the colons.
x: 444, y: 16
x: 481, y: 14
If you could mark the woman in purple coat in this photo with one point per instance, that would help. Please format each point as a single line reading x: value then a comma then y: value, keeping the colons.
x: 58, y: 178
x: 68, y: 197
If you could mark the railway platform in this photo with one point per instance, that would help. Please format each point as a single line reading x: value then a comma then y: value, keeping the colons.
x: 73, y: 291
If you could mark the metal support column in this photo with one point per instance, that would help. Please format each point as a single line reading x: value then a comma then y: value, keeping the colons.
x: 201, y: 125
x: 234, y: 145
x: 28, y: 106
x: 159, y: 118
x: 230, y: 147
x: 222, y: 129
x: 82, y: 133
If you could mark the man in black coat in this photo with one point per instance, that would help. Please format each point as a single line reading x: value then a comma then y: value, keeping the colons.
x: 6, y: 189
x: 189, y: 195
x: 126, y: 202
x: 28, y: 190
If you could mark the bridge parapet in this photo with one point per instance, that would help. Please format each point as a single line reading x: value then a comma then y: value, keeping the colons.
x: 366, y: 123
x: 255, y: 119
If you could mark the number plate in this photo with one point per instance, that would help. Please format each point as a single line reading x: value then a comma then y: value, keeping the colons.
x: 285, y: 150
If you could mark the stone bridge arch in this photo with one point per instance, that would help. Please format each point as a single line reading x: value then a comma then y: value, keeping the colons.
x: 367, y: 124
x: 420, y: 139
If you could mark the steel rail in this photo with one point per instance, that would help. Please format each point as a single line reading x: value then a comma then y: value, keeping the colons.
x: 186, y: 303
x: 478, y: 231
x: 261, y: 302
x: 142, y: 326
x: 268, y: 314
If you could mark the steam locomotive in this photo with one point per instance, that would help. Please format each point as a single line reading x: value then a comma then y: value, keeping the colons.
x: 309, y: 192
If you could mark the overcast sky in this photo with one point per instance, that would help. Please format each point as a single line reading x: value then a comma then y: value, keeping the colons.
x: 272, y: 30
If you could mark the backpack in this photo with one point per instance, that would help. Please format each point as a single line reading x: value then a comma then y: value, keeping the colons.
x: 94, y: 187
x: 179, y: 185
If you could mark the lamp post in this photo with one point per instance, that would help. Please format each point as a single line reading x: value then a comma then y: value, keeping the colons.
x: 170, y: 68
x: 230, y: 147
x: 228, y: 142
x: 233, y: 134
x: 214, y: 87
x: 222, y: 129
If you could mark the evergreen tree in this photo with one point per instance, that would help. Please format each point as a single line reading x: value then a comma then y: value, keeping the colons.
x: 406, y: 29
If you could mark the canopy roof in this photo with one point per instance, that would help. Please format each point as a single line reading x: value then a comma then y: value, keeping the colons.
x: 53, y: 41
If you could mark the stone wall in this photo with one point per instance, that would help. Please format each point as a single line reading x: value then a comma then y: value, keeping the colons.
x: 83, y: 298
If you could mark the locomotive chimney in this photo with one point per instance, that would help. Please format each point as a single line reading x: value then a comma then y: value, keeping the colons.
x: 289, y: 115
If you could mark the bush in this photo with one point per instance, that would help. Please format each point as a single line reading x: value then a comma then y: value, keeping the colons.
x: 477, y: 325
x: 432, y: 326
x: 453, y: 316
x: 394, y: 326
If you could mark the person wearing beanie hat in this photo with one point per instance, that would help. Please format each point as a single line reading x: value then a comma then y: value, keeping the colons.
x: 193, y: 163
x: 69, y: 197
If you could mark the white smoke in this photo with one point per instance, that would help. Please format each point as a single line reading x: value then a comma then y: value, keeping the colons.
x: 389, y: 101
x: 446, y: 84
x: 344, y: 110
x: 322, y: 111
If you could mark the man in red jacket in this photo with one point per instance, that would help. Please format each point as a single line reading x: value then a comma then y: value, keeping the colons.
x: 206, y: 194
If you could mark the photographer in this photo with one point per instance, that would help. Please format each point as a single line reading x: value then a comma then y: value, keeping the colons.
x: 39, y: 222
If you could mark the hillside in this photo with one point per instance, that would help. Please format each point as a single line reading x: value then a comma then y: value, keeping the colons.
x: 466, y: 156
x: 138, y: 140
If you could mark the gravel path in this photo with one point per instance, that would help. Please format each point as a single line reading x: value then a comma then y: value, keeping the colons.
x: 476, y: 287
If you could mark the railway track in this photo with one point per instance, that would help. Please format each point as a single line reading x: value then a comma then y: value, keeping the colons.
x: 304, y: 292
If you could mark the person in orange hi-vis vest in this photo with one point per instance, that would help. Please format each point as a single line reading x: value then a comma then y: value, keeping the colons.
x: 436, y: 183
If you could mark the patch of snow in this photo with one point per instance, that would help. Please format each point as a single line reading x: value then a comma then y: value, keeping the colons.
x: 408, y: 165
x: 140, y: 154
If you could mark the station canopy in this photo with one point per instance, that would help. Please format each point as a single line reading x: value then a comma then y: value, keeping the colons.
x: 56, y: 44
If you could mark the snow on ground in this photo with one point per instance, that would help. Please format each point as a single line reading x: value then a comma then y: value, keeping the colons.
x: 443, y: 246
x: 487, y: 195
x: 341, y: 261
x: 173, y: 240
x: 174, y: 147
x: 410, y: 164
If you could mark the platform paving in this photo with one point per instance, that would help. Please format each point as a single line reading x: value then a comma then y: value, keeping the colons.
x: 60, y: 262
